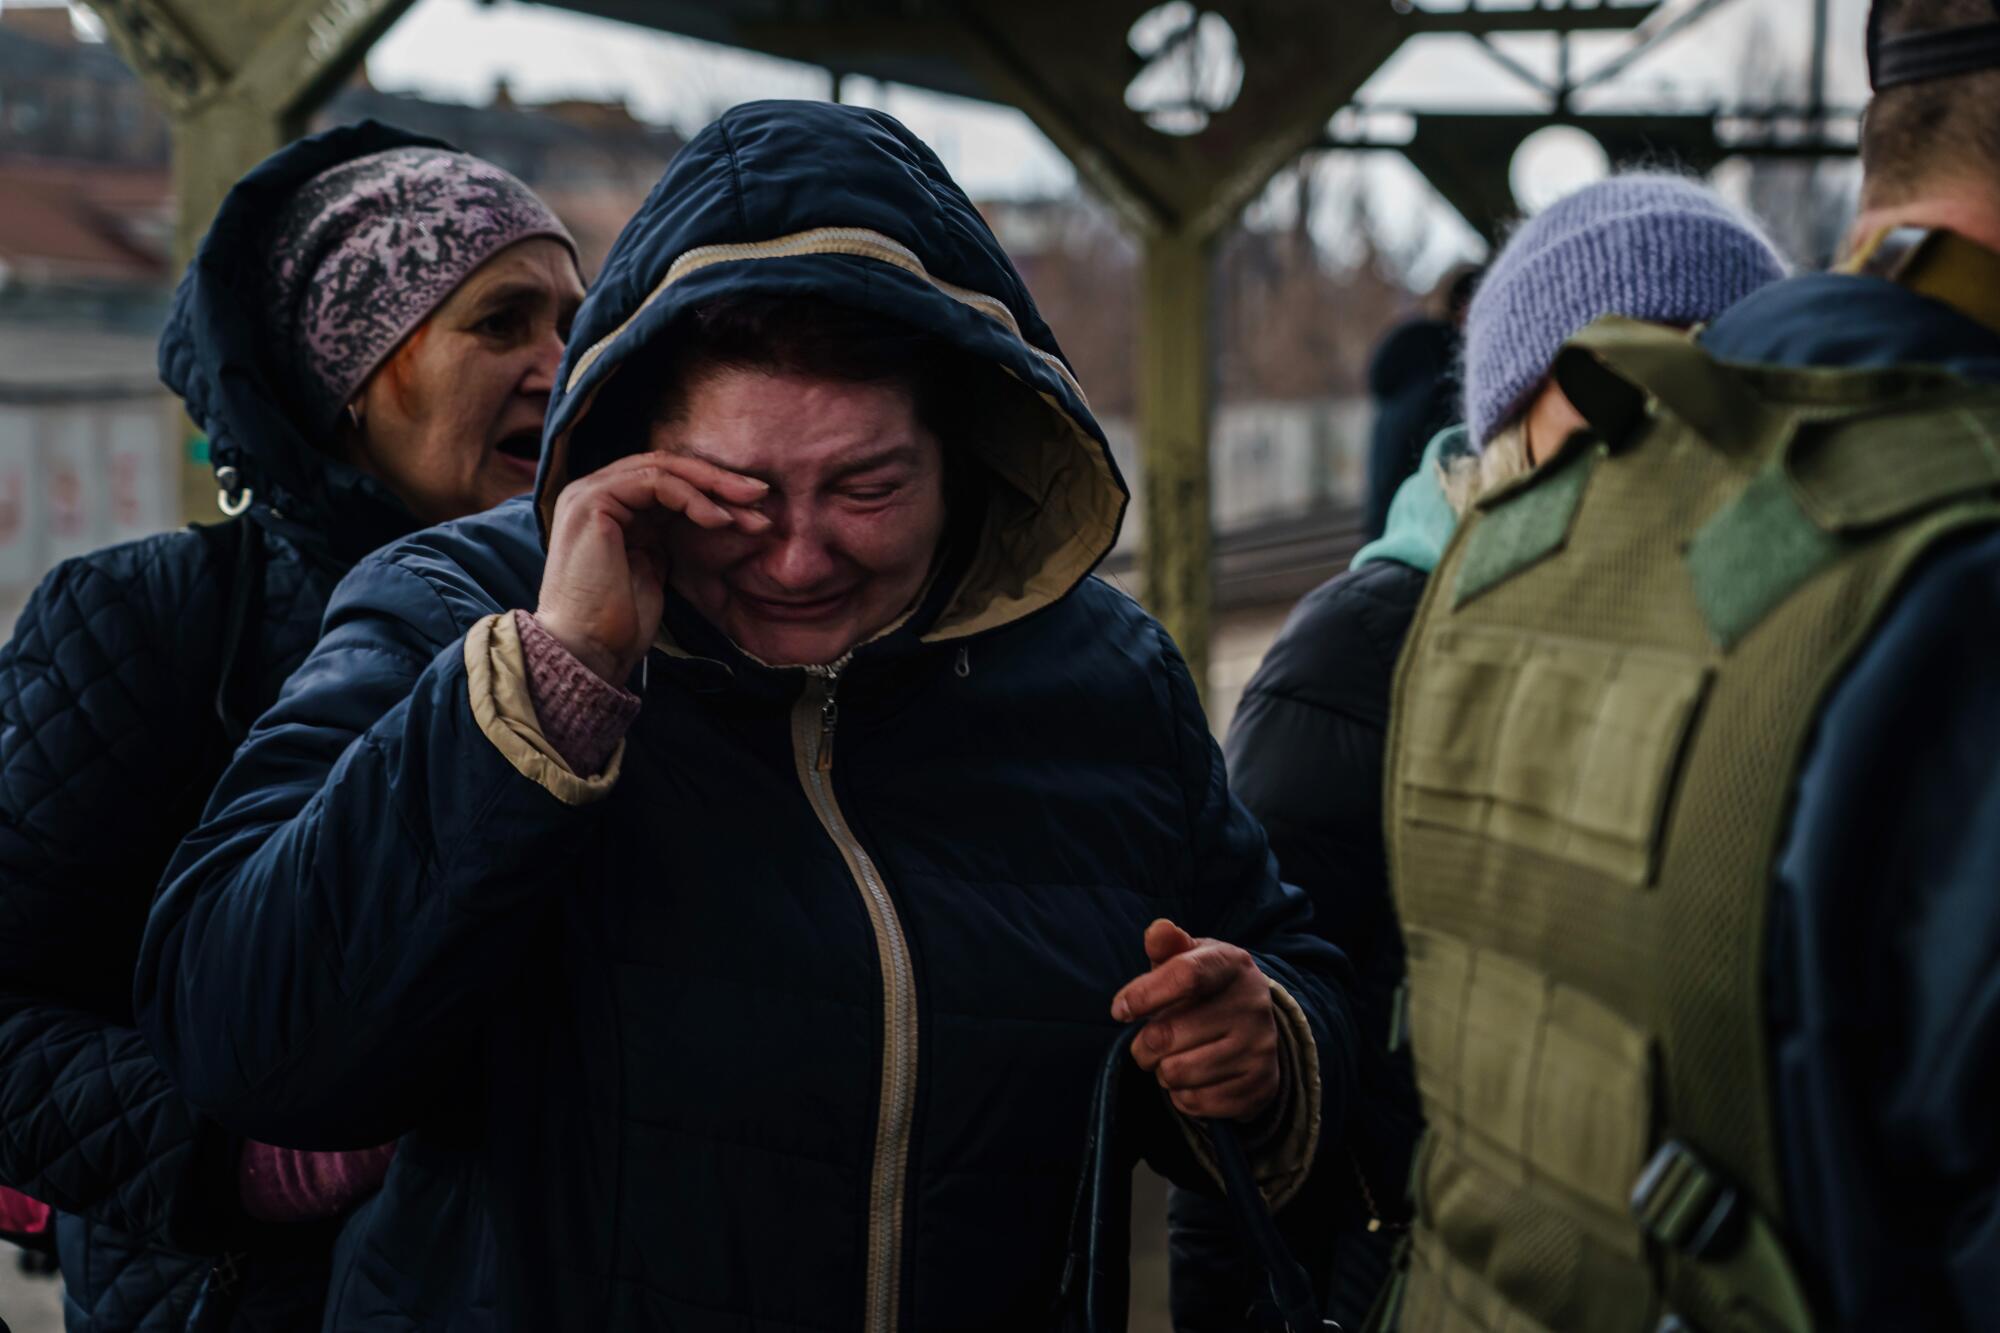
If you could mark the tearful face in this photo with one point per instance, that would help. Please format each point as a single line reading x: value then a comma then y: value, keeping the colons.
x: 857, y: 510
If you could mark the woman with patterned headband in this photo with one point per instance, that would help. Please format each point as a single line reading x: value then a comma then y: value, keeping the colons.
x: 368, y: 337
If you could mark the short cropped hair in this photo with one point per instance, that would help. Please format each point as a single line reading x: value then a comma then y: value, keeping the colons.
x: 1938, y: 130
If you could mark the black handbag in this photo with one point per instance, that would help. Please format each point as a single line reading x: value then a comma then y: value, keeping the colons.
x: 1096, y: 1284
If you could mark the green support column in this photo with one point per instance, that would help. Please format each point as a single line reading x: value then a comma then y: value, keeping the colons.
x: 1174, y: 407
x: 214, y: 143
x: 240, y: 79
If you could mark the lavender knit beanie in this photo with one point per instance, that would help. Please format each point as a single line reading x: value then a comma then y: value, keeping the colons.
x: 1653, y: 247
x: 364, y: 252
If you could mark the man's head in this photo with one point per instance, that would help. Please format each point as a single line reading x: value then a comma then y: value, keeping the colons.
x: 1932, y: 139
x: 847, y: 417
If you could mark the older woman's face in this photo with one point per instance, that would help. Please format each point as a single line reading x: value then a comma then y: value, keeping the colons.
x: 857, y: 509
x: 452, y: 422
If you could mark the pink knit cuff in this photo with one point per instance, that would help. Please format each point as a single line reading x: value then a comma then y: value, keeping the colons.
x: 582, y: 715
x: 286, y: 1185
x: 21, y: 1215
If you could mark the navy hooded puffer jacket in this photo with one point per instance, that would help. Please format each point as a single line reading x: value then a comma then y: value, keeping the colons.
x: 130, y: 677
x: 771, y: 1036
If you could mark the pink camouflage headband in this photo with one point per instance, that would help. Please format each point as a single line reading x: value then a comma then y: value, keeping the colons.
x: 365, y: 251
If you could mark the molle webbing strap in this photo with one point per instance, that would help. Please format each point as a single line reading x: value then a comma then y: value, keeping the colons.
x: 1861, y: 472
x: 1811, y: 640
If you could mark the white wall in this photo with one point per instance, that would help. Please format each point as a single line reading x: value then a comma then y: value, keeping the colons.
x: 75, y: 475
x: 1268, y: 460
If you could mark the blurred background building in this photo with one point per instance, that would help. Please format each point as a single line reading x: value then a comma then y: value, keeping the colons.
x: 1343, y: 243
x: 88, y: 441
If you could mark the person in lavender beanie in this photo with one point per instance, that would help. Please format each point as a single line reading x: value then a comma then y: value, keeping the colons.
x: 1649, y: 246
x: 1305, y: 746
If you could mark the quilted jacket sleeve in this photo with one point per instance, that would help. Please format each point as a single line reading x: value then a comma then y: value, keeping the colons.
x: 1235, y: 895
x: 367, y: 880
x: 98, y: 777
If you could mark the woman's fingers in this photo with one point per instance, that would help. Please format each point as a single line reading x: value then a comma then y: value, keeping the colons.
x: 1183, y: 1031
x: 705, y: 493
x: 682, y: 496
x: 1239, y: 1099
x: 1210, y: 1039
x: 1217, y: 1062
x: 730, y: 487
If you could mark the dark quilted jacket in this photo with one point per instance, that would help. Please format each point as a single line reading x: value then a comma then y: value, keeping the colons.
x: 1305, y: 754
x: 131, y: 675
x: 712, y: 1096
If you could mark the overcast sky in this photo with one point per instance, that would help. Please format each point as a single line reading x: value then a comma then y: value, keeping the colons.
x: 458, y: 49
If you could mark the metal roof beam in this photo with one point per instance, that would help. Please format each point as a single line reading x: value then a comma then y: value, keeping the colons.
x: 1479, y: 22
x: 1649, y: 42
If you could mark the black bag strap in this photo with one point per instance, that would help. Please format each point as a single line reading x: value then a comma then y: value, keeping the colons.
x: 1096, y: 1278
x: 1290, y: 1287
x: 217, y: 1299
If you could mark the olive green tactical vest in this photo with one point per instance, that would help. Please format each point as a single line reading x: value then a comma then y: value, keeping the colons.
x: 1598, y: 721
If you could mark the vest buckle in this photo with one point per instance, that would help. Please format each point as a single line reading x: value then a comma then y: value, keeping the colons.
x: 1686, y: 1205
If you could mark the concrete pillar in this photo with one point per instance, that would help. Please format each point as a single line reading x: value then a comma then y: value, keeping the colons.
x: 215, y: 143
x: 1175, y: 375
x: 239, y: 78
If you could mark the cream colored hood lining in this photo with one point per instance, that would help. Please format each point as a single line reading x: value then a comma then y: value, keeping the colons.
x: 1054, y: 516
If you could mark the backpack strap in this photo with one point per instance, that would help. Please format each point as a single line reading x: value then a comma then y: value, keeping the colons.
x: 1710, y: 1233
x: 1838, y: 482
x: 1867, y: 470
x: 1615, y: 368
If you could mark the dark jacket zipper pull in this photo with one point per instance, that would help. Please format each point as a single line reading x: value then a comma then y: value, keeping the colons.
x: 829, y: 715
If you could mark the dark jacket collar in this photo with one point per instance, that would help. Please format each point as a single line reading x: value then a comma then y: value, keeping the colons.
x: 1853, y: 321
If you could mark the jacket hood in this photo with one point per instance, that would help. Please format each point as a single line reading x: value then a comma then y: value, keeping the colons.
x: 220, y: 354
x: 845, y: 204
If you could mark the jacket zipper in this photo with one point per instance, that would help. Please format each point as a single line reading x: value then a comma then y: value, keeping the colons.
x: 814, y: 719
